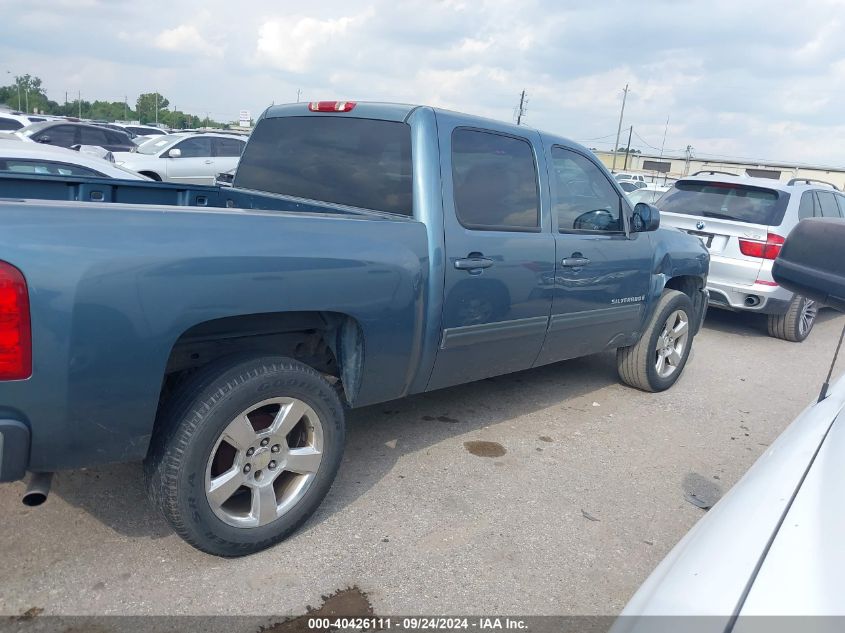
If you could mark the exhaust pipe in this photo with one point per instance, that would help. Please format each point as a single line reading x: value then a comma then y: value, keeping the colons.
x: 38, y: 489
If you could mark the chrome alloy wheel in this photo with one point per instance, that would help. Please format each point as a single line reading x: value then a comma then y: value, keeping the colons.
x: 671, y: 344
x: 808, y: 316
x: 264, y: 462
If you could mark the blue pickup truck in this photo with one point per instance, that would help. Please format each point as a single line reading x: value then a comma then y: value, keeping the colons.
x: 364, y: 253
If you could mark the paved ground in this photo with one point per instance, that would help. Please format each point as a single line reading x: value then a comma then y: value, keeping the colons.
x: 588, y: 497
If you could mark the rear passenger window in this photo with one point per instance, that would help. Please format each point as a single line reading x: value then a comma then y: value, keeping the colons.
x: 582, y: 196
x: 807, y: 209
x: 10, y: 124
x: 495, y: 181
x: 828, y: 204
x: 840, y: 199
x: 228, y: 146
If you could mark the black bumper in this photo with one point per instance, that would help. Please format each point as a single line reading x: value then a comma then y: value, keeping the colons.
x: 14, y: 450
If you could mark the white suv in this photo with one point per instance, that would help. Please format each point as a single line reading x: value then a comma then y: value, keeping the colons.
x: 743, y: 222
x: 186, y: 158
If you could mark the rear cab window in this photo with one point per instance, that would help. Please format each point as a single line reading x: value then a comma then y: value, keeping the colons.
x: 363, y: 163
x: 726, y: 201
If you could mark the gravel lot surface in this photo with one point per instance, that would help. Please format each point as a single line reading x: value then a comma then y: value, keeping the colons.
x: 551, y: 491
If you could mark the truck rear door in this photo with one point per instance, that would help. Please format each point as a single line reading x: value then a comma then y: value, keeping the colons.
x: 499, y: 251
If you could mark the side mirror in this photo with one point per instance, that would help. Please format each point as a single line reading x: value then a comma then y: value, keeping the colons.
x: 174, y: 153
x: 646, y: 218
x: 43, y: 139
x: 811, y: 263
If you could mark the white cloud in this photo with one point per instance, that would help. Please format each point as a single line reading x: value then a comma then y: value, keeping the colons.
x: 185, y: 38
x: 290, y: 43
x: 763, y: 78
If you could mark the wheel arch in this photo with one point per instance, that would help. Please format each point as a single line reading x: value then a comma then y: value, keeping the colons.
x: 332, y: 343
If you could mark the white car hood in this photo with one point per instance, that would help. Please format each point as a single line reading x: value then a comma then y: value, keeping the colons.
x: 804, y: 571
x: 709, y: 570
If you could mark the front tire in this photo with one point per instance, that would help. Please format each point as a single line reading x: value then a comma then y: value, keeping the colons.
x: 656, y: 361
x: 245, y: 454
x: 797, y: 322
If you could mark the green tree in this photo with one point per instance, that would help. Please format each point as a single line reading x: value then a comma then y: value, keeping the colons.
x: 146, y: 107
x: 26, y: 93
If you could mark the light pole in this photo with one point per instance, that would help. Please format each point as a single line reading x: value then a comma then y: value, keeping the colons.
x: 9, y: 72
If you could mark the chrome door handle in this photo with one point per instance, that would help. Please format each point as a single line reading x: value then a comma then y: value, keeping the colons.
x: 209, y: 162
x: 574, y: 262
x: 473, y: 263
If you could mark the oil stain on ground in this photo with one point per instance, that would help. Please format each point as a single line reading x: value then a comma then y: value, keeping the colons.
x: 482, y: 448
x: 344, y: 603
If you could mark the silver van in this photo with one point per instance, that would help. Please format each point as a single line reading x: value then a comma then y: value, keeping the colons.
x: 743, y: 221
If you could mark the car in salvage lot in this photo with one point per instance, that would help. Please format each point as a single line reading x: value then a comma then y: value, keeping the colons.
x: 773, y: 544
x: 70, y: 133
x: 187, y: 158
x: 365, y: 252
x: 743, y: 222
x: 48, y: 160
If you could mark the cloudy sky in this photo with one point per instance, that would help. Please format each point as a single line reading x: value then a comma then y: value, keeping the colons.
x: 737, y: 78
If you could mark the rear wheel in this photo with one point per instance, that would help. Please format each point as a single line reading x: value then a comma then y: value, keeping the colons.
x: 797, y: 322
x: 246, y: 454
x: 656, y: 361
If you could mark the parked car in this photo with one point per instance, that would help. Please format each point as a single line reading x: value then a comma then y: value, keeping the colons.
x: 68, y: 134
x: 143, y: 130
x: 11, y: 121
x: 743, y: 222
x: 773, y: 545
x: 31, y: 158
x: 365, y: 252
x: 185, y: 158
x: 650, y: 194
x: 623, y: 176
x: 631, y: 185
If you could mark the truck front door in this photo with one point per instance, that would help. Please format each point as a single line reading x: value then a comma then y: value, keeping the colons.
x: 603, y: 272
x: 499, y: 252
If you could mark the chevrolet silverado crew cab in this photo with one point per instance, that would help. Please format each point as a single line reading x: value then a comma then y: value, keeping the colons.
x: 364, y: 252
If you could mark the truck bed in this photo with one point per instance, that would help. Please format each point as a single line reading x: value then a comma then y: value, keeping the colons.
x: 105, y: 190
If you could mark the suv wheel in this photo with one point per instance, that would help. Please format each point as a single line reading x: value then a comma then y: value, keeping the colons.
x: 656, y: 361
x: 797, y: 322
x: 245, y: 454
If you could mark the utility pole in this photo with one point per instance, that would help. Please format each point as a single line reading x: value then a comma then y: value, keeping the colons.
x: 628, y: 149
x: 665, y: 130
x: 65, y: 110
x: 156, y: 108
x: 689, y: 156
x: 298, y: 94
x: 663, y: 145
x: 79, y: 102
x: 125, y: 107
x: 619, y: 129
x: 26, y: 97
x: 18, y: 84
x: 521, y: 109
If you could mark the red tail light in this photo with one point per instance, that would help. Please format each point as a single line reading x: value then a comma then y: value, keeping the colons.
x: 331, y: 106
x: 769, y: 249
x: 15, y: 333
